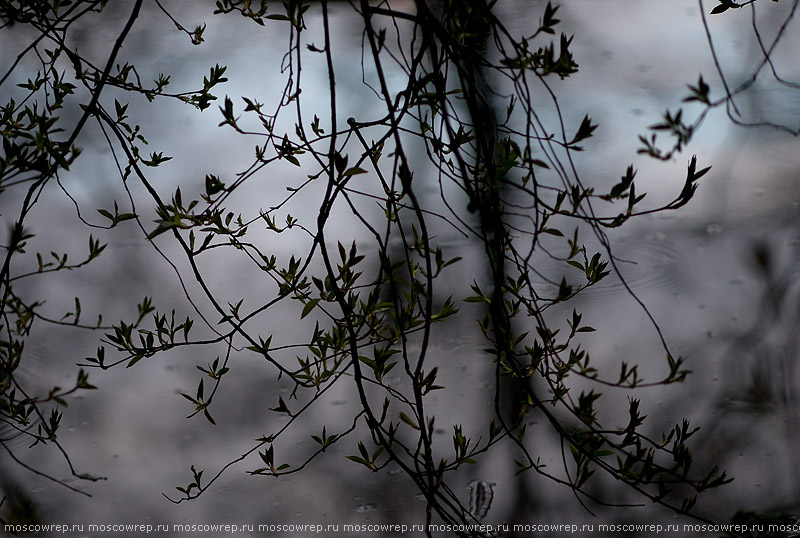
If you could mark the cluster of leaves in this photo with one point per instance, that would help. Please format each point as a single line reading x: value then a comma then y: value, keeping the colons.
x: 681, y: 131
x: 37, y: 147
x: 370, y: 306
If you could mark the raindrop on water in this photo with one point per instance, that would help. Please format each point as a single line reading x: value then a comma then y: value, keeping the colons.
x: 395, y: 381
x: 367, y: 507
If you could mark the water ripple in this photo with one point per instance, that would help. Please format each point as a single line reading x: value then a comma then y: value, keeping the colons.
x: 29, y: 376
x: 649, y: 263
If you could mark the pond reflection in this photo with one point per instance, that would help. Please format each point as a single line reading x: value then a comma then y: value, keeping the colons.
x: 720, y: 278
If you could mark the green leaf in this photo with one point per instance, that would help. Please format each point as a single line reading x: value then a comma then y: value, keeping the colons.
x: 408, y: 420
x: 134, y: 360
x: 354, y: 171
x: 540, y: 163
x: 208, y: 416
x: 309, y: 307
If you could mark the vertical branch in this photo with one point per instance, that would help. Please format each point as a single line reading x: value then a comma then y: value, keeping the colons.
x: 405, y: 175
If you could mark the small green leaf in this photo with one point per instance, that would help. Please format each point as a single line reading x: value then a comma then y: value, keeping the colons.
x: 408, y: 420
x: 309, y: 307
x: 354, y: 171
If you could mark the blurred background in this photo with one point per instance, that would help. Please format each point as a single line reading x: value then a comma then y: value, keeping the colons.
x: 720, y: 276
